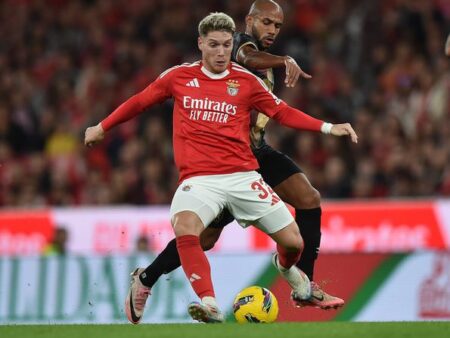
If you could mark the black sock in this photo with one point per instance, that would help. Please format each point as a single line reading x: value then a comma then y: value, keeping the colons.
x: 167, y: 261
x: 309, y: 221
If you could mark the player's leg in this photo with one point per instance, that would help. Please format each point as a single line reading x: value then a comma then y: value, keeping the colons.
x: 169, y: 260
x: 189, y: 214
x: 289, y: 249
x: 142, y: 280
x: 293, y: 187
x: 187, y: 227
x: 288, y: 181
x: 298, y: 192
x: 196, y: 203
x: 253, y: 202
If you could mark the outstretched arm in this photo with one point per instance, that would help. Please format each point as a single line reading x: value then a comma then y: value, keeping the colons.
x: 297, y: 119
x: 126, y: 111
x: 263, y: 100
x: 251, y: 58
x: 156, y: 92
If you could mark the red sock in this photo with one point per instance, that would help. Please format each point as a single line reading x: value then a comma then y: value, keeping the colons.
x: 195, y: 265
x: 287, y: 258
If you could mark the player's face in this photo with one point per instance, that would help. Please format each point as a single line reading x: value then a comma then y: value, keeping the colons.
x: 216, y: 50
x: 265, y: 26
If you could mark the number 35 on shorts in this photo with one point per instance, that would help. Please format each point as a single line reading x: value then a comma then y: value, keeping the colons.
x: 265, y: 191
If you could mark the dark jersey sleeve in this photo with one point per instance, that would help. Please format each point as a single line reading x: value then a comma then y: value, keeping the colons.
x: 240, y: 40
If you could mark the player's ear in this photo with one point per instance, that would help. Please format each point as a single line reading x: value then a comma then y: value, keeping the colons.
x: 200, y: 43
x: 249, y: 21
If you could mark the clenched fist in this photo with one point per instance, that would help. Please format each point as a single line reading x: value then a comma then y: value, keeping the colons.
x: 94, y: 135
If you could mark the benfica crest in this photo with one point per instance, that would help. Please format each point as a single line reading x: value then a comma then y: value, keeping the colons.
x: 232, y: 87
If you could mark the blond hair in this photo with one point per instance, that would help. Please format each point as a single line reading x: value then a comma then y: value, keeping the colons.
x: 217, y: 21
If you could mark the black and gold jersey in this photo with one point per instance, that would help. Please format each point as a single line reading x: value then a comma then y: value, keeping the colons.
x: 240, y: 40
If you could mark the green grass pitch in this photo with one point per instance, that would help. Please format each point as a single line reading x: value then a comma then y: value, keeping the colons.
x: 232, y: 330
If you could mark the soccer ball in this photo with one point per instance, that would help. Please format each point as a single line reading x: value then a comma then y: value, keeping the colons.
x: 255, y: 305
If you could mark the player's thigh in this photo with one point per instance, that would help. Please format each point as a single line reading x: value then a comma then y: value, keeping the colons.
x: 288, y: 237
x: 199, y: 197
x: 298, y: 192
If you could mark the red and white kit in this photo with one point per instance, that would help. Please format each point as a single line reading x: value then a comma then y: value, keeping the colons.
x: 211, y: 123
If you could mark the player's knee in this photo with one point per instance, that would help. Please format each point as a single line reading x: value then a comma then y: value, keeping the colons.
x: 298, y: 245
x: 295, y: 242
x: 186, y: 223
x: 181, y: 229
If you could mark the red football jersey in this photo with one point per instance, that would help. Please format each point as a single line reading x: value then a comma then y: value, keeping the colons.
x: 211, y: 116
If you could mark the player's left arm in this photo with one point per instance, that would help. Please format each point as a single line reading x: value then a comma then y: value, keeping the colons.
x: 263, y: 100
x: 252, y: 58
x: 297, y: 119
x: 447, y: 46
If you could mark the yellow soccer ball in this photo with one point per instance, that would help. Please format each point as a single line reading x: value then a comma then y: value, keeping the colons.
x: 255, y: 305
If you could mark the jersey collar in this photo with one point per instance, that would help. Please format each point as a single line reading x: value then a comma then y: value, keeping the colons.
x: 214, y: 75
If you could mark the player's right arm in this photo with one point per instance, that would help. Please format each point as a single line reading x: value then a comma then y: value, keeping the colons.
x: 251, y: 58
x: 157, y: 92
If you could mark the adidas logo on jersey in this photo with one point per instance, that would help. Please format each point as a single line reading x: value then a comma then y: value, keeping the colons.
x: 193, y: 83
x: 194, y: 277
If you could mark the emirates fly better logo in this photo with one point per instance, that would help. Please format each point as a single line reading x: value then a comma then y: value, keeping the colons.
x: 204, y: 109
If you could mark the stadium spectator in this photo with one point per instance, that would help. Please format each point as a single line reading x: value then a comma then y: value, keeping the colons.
x: 143, y: 244
x: 58, y: 245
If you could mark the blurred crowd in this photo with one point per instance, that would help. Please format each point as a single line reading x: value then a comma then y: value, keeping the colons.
x: 65, y: 65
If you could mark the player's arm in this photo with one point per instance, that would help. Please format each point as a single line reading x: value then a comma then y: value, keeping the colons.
x: 251, y: 58
x: 297, y: 119
x: 263, y: 100
x: 156, y: 92
x: 447, y: 46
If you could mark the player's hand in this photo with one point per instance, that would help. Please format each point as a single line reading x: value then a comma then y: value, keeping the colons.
x: 344, y: 129
x: 93, y: 135
x: 293, y: 72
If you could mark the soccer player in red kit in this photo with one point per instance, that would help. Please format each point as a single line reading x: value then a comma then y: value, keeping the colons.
x: 285, y: 177
x: 211, y: 119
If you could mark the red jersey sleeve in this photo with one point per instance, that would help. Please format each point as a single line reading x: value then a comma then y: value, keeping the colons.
x: 157, y: 92
x: 266, y: 102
